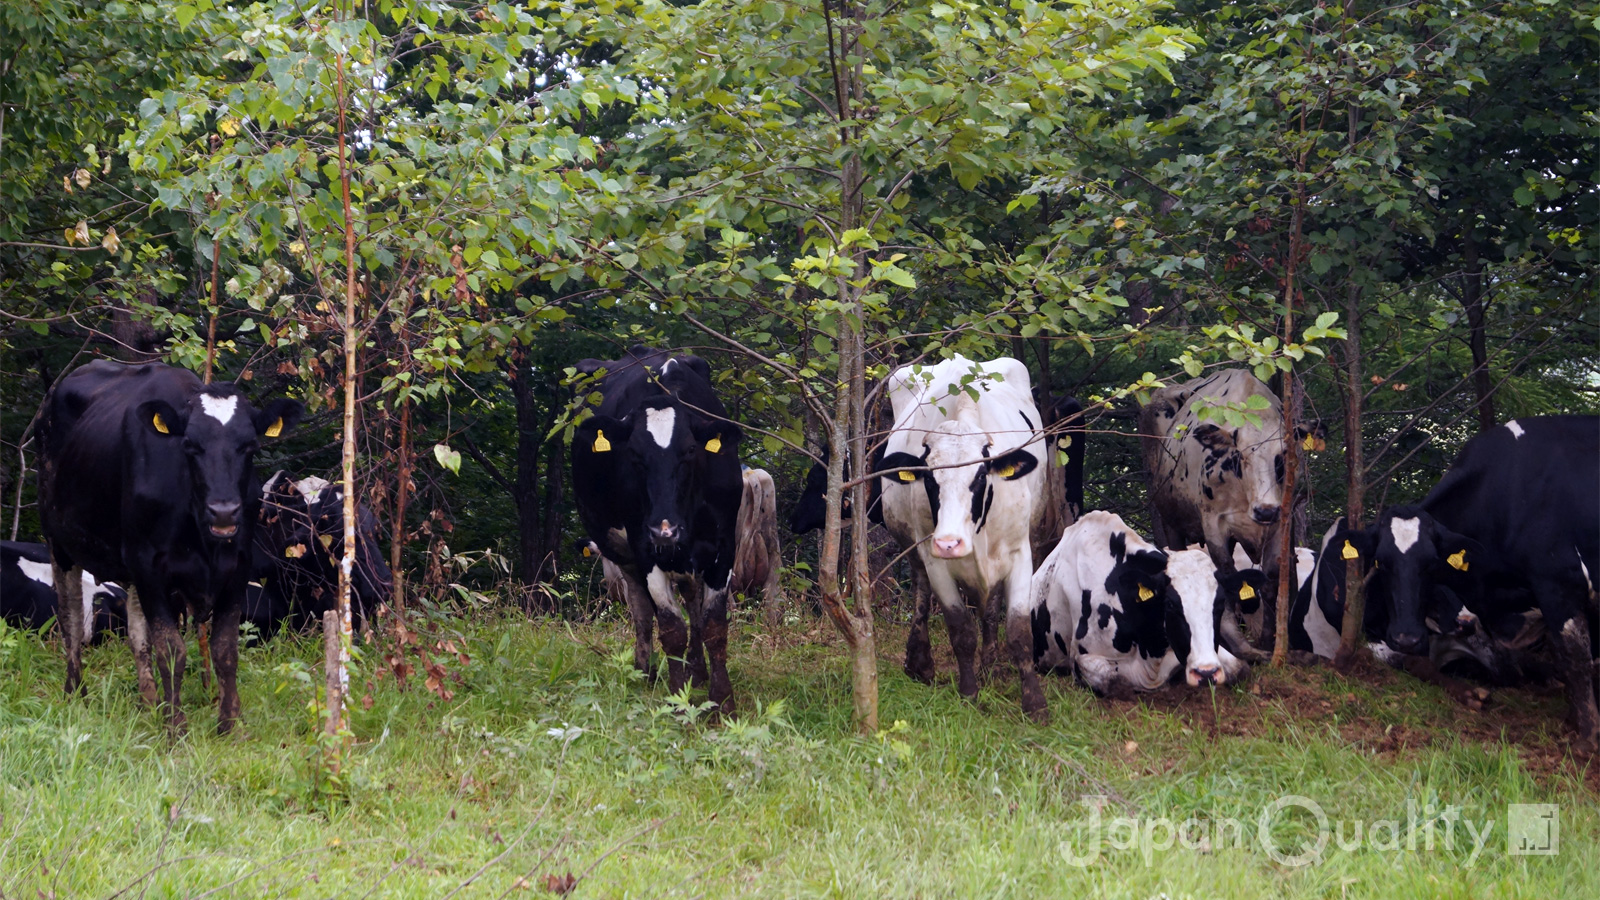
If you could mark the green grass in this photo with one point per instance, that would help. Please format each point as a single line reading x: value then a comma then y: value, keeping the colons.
x: 963, y: 800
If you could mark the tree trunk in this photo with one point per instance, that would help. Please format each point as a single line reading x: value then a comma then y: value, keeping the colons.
x: 1355, y: 606
x: 336, y: 628
x: 555, y: 489
x: 1477, y: 339
x: 530, y: 546
x: 1286, y: 568
x: 402, y: 491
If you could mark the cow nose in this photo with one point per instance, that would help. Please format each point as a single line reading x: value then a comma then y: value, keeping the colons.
x: 224, y: 513
x: 1406, y: 642
x: 950, y: 547
x: 1206, y: 675
x: 1467, y: 622
x: 664, y: 536
x: 1264, y: 515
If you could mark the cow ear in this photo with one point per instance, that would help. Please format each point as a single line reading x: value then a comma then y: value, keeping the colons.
x: 160, y: 417
x: 601, y: 434
x: 1213, y: 438
x: 1457, y: 551
x: 278, y: 417
x: 1245, y: 586
x: 718, y: 436
x: 900, y: 461
x: 1312, y: 436
x: 1013, y: 465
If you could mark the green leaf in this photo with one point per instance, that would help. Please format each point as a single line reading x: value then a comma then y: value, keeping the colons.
x: 184, y: 15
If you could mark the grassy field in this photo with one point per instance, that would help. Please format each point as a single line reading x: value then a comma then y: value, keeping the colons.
x: 554, y: 768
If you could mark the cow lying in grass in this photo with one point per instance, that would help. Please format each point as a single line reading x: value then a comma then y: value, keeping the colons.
x: 1125, y: 616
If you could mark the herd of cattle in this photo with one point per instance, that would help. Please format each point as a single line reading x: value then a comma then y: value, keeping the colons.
x: 147, y: 480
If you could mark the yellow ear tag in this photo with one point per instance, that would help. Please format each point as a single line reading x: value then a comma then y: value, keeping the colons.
x: 587, y: 551
x: 1458, y: 560
x: 275, y: 429
x: 601, y: 445
x: 1246, y: 592
x: 1007, y: 472
x: 1310, y: 443
x: 159, y: 423
x: 714, y: 445
x: 907, y: 477
x: 1349, y: 551
x: 1145, y: 593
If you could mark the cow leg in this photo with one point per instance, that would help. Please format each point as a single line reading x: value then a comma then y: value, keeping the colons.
x: 963, y: 634
x: 696, y: 590
x: 203, y: 634
x: 642, y: 611
x: 1019, y: 637
x: 1100, y: 675
x: 1577, y: 667
x: 919, y: 650
x: 224, y: 658
x: 168, y: 649
x: 69, y: 613
x: 715, y: 616
x: 991, y: 611
x: 139, y: 643
x: 674, y: 628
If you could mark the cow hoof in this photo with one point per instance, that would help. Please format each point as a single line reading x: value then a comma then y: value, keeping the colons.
x: 1302, y: 658
x: 923, y: 674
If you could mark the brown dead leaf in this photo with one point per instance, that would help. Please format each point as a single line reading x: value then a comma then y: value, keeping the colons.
x: 560, y: 884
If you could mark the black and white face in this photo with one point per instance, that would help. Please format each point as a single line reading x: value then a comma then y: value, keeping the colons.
x: 1246, y: 465
x: 218, y: 433
x: 962, y: 481
x: 1195, y: 601
x: 663, y: 451
x: 1414, y: 555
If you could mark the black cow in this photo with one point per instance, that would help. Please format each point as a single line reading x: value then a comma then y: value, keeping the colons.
x: 657, y: 479
x: 146, y: 477
x: 1514, y: 524
x: 28, y: 593
x: 299, y: 542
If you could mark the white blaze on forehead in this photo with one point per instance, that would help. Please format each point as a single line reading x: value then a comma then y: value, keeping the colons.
x: 1515, y: 429
x: 311, y: 487
x: 219, y: 408
x: 38, y: 571
x: 1405, y: 532
x: 660, y: 422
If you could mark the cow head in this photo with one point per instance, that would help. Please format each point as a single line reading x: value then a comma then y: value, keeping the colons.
x: 654, y: 459
x: 218, y: 432
x: 1195, y: 600
x: 961, y: 473
x: 1251, y: 469
x: 1418, y: 562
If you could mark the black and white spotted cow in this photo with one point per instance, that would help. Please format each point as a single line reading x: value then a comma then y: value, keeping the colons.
x: 146, y: 477
x: 657, y: 478
x: 299, y: 542
x: 1456, y: 641
x: 1513, y: 525
x: 28, y: 593
x: 1216, y: 485
x: 1126, y: 616
x: 963, y: 481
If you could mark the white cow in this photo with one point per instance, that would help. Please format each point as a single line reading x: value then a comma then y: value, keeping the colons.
x: 963, y: 479
x: 1128, y: 617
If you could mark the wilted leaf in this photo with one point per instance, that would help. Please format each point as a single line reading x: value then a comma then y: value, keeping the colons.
x: 111, y: 243
x: 450, y: 459
x: 80, y: 234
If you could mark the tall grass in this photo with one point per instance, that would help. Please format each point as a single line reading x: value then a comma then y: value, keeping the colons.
x: 554, y: 759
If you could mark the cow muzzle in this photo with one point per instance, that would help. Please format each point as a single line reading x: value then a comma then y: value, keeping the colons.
x: 1264, y: 515
x: 224, y: 519
x: 664, y: 537
x: 951, y: 547
x: 1407, y: 642
x: 1207, y: 674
